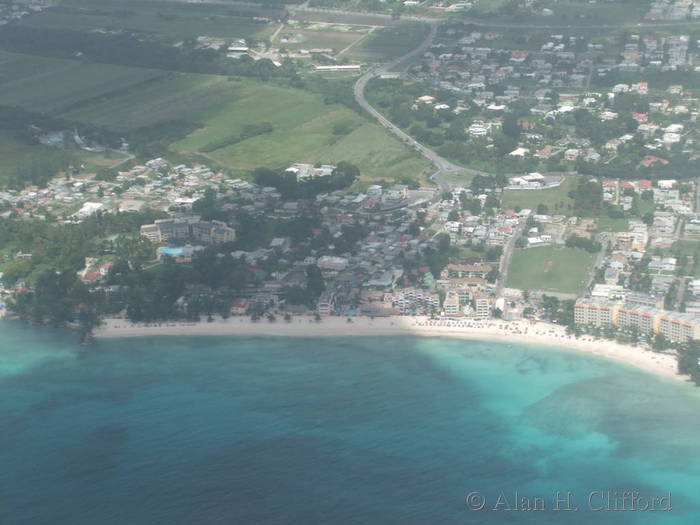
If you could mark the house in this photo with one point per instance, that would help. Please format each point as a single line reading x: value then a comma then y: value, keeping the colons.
x: 571, y: 154
x: 240, y: 306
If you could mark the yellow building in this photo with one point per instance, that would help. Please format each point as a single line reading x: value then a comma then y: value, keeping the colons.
x: 596, y: 311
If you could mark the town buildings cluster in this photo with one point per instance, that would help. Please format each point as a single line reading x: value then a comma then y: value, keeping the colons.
x: 645, y: 285
x: 17, y: 9
x: 555, y: 76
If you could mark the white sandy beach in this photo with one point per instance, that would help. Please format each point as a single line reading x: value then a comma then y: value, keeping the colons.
x: 513, y: 332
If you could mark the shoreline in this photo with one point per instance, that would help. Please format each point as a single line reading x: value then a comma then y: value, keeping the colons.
x: 544, y: 334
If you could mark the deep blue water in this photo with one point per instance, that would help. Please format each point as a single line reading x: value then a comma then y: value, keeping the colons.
x: 339, y: 431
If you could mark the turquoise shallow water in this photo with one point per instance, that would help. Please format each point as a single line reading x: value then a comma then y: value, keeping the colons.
x: 337, y: 431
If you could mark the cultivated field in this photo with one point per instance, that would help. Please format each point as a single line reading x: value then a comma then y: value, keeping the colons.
x: 304, y: 130
x: 390, y: 42
x: 124, y: 100
x: 550, y: 268
x: 567, y: 12
x: 171, y: 21
x: 50, y: 85
x: 173, y: 96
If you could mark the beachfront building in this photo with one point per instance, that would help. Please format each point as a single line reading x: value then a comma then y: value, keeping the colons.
x: 644, y: 319
x: 596, y: 311
x: 641, y: 299
x: 679, y: 327
x: 411, y: 300
x: 482, y: 307
x: 466, y: 288
x: 451, y: 304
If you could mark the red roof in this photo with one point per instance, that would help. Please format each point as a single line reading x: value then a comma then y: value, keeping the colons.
x: 650, y: 160
x: 92, y: 276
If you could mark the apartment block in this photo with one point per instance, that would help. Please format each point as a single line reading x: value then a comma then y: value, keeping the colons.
x: 188, y: 229
x: 596, y: 311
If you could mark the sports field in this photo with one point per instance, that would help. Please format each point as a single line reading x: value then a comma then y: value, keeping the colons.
x: 550, y: 268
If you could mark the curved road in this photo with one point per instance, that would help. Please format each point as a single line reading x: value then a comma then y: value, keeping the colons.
x: 442, y: 165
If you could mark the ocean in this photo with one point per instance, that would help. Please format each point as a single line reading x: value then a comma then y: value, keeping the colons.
x: 337, y: 431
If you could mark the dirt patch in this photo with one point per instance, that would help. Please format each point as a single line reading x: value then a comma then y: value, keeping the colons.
x: 548, y: 266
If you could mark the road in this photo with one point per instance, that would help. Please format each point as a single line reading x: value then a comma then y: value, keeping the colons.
x: 507, y: 256
x: 443, y: 166
x: 390, y: 19
x: 604, y: 238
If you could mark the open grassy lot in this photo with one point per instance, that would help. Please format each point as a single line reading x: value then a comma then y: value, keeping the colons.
x: 390, y: 42
x: 16, y: 154
x: 297, y: 35
x: 557, y: 199
x: 606, y: 224
x: 550, y: 268
x: 686, y: 247
x: 171, y: 21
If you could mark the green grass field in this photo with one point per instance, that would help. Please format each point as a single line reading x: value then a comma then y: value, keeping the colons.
x: 557, y: 199
x: 302, y: 132
x: 49, y: 85
x: 568, y: 12
x: 173, y: 96
x: 686, y: 247
x: 550, y: 268
x: 14, y: 153
x: 390, y: 42
x: 606, y: 224
x: 124, y: 99
x: 170, y: 21
x: 295, y: 36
